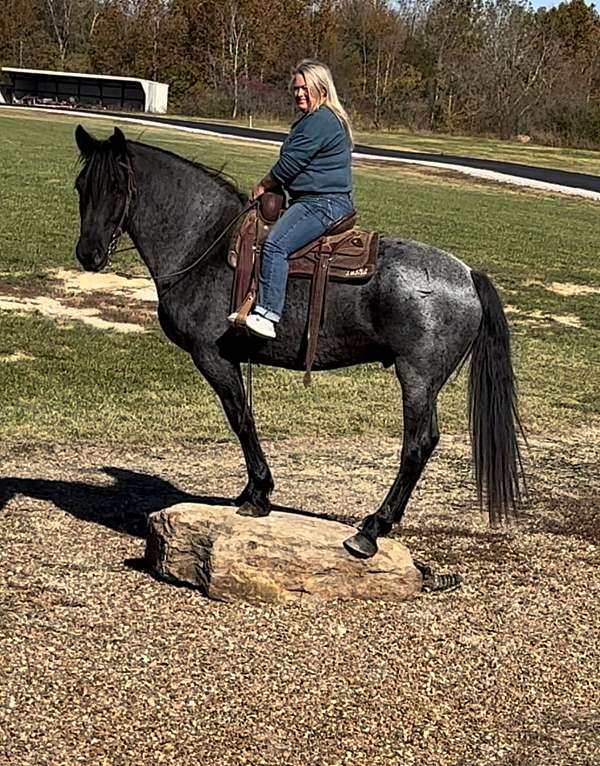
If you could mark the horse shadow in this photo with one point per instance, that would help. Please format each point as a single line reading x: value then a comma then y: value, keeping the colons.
x: 125, y: 504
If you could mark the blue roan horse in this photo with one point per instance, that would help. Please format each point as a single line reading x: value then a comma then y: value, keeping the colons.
x: 423, y: 311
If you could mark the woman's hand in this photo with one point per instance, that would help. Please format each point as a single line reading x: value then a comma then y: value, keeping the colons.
x: 265, y: 184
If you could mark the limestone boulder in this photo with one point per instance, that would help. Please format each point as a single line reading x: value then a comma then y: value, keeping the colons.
x: 281, y: 557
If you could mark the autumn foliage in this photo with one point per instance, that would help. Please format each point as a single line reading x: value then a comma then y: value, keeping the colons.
x: 479, y: 66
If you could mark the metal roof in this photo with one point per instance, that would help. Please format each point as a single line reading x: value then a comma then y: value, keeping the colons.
x: 15, y: 70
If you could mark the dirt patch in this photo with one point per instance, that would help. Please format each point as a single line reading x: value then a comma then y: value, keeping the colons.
x: 25, y: 287
x: 101, y: 664
x: 55, y: 309
x: 541, y: 319
x: 135, y: 288
x: 566, y: 289
x: 116, y: 308
x: 104, y: 301
x: 17, y: 356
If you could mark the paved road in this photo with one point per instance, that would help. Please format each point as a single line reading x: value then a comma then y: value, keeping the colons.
x: 536, y: 175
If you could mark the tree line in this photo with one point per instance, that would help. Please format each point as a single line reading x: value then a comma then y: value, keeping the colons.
x: 477, y: 66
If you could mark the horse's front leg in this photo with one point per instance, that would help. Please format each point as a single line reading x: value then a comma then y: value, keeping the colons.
x: 226, y: 379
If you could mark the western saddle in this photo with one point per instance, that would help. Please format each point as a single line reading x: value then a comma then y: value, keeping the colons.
x: 343, y: 254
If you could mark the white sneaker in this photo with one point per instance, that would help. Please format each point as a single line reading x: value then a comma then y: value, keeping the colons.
x: 261, y: 326
x: 232, y: 317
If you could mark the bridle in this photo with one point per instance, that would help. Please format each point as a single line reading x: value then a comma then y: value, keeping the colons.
x: 119, y: 230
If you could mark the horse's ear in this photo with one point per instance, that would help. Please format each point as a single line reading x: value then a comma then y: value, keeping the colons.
x: 119, y: 142
x: 85, y: 142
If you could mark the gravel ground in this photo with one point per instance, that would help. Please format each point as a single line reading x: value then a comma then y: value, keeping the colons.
x: 101, y: 664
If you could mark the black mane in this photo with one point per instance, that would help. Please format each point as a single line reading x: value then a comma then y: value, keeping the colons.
x: 224, y: 180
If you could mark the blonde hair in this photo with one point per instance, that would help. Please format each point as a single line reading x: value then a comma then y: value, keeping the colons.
x: 321, y: 87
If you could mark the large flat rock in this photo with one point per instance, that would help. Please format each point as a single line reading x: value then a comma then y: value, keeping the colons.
x: 281, y: 557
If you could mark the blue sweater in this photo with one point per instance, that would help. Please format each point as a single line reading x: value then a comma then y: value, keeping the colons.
x: 316, y: 156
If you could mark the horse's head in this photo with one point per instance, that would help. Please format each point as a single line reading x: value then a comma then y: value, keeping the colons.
x: 105, y: 186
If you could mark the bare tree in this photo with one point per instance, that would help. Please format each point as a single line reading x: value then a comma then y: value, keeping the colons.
x: 61, y: 14
x: 512, y: 64
x: 452, y: 36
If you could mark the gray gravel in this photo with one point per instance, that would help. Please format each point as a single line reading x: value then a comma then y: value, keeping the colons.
x: 100, y: 664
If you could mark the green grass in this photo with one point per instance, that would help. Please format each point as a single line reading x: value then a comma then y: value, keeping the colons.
x: 90, y: 386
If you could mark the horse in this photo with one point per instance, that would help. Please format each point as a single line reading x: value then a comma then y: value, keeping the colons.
x: 423, y: 311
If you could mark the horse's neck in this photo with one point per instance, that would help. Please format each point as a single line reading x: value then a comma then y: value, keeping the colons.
x: 177, y: 211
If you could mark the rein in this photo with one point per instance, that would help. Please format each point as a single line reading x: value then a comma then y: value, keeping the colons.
x: 245, y: 209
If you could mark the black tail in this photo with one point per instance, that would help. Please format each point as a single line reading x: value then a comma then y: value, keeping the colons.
x: 493, y: 413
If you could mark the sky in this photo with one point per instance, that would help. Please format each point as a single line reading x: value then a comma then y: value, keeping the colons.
x: 554, y: 3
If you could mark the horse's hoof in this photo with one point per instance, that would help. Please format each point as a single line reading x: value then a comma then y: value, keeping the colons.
x: 247, y: 509
x: 360, y: 546
x: 242, y: 498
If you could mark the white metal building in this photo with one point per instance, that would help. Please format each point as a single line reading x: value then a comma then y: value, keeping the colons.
x: 36, y: 86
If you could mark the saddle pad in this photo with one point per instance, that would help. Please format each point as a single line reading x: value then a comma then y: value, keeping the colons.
x: 351, y: 256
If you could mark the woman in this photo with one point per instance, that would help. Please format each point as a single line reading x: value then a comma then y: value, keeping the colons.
x: 314, y: 167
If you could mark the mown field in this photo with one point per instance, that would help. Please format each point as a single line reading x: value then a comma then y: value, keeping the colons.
x: 106, y: 386
x: 102, y: 665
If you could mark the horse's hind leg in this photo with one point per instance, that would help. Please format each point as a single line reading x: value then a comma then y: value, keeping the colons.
x: 420, y: 437
x: 226, y: 379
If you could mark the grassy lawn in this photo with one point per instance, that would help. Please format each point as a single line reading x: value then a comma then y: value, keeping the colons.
x: 82, y: 384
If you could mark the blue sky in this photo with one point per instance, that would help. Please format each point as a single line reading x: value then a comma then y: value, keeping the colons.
x: 553, y: 3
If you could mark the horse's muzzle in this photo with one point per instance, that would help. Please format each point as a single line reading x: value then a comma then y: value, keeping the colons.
x: 94, y: 260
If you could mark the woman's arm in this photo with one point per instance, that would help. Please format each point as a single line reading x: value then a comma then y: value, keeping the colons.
x: 303, y: 143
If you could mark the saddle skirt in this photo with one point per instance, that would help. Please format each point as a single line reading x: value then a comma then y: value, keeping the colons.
x: 345, y: 253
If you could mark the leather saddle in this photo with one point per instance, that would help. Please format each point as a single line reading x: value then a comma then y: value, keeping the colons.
x: 344, y: 253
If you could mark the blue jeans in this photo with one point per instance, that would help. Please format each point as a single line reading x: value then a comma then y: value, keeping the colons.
x: 306, y: 219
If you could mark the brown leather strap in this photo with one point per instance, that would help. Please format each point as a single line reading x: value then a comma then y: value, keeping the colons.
x: 245, y: 308
x: 247, y: 268
x: 315, y: 311
x: 245, y: 263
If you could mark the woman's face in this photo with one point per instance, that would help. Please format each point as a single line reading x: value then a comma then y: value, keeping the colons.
x: 302, y: 97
